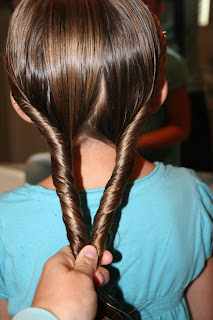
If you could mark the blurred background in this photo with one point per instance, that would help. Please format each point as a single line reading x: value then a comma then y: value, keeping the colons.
x: 189, y: 25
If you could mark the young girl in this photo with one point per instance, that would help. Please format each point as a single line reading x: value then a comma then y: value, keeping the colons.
x: 88, y: 74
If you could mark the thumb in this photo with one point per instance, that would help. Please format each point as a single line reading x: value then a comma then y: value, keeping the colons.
x: 86, y: 261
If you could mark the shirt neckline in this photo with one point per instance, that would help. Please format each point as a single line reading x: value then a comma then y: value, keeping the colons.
x: 39, y: 192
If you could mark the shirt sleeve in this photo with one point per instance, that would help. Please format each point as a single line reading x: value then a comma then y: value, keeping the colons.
x: 200, y: 229
x: 34, y: 314
x: 3, y: 291
x: 205, y: 197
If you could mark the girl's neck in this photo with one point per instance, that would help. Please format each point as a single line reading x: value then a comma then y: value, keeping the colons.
x: 93, y: 163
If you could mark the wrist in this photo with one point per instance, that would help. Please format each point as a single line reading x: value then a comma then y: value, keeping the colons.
x: 34, y: 313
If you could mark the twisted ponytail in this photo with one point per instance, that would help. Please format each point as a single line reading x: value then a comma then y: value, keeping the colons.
x: 112, y: 196
x: 62, y: 177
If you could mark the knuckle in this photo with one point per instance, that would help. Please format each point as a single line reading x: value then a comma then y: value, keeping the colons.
x: 85, y: 267
x: 49, y: 262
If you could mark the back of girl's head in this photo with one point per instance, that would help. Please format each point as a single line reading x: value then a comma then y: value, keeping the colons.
x: 88, y: 66
x: 86, y: 69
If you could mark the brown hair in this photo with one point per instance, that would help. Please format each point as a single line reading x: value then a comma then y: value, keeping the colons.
x: 84, y: 69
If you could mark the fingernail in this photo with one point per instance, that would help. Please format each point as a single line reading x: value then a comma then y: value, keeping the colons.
x: 103, y: 279
x: 91, y: 252
x: 99, y: 279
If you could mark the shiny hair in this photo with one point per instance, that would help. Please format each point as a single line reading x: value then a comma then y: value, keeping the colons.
x: 86, y: 69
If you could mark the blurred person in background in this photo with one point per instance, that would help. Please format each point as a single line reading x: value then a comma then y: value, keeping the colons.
x: 180, y: 19
x: 171, y: 124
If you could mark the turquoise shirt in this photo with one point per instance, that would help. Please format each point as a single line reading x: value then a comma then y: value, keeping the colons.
x: 161, y: 238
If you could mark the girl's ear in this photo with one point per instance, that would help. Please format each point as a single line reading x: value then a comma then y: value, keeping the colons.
x: 162, y: 96
x: 164, y: 91
x: 18, y: 109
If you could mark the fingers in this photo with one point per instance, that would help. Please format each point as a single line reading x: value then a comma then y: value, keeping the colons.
x: 107, y: 258
x: 86, y: 261
x: 101, y: 277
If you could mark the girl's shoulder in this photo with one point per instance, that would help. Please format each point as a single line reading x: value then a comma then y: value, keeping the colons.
x: 187, y: 181
x: 173, y: 189
x: 24, y: 201
x: 168, y: 178
x: 27, y: 191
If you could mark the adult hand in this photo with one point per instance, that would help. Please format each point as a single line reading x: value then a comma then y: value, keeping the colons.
x: 66, y: 285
